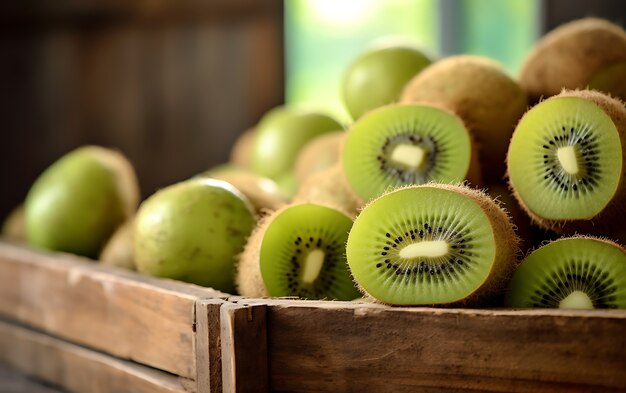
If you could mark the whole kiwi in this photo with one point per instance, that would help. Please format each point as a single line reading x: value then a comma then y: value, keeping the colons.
x: 14, y: 226
x: 76, y: 204
x: 569, y: 56
x: 118, y: 251
x: 319, y: 154
x: 192, y: 231
x: 241, y: 152
x: 480, y: 92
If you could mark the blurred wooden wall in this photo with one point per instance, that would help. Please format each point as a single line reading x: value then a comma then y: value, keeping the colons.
x: 170, y: 83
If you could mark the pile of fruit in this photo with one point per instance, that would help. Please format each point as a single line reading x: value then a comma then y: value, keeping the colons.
x: 449, y: 175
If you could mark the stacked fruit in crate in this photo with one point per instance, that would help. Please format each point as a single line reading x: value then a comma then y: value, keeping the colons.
x: 450, y: 173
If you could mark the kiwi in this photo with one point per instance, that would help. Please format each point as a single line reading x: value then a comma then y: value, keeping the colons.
x: 118, y: 251
x: 569, y: 56
x: 480, y: 92
x: 262, y: 192
x: 301, y: 253
x: 329, y: 188
x: 192, y: 231
x: 241, y: 152
x: 566, y: 163
x: 76, y: 203
x: 377, y: 76
x: 319, y: 154
x: 576, y: 272
x: 405, y: 144
x: 281, y: 134
x: 288, y: 184
x: 611, y: 80
x: 14, y: 226
x: 432, y: 244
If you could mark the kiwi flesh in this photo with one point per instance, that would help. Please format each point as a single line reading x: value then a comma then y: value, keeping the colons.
x: 118, y: 251
x: 433, y: 244
x: 329, y: 188
x: 575, y: 272
x: 611, y: 80
x: 569, y: 56
x: 299, y: 251
x: 14, y: 226
x: 76, y: 203
x: 480, y: 92
x: 241, y: 152
x: 405, y: 144
x: 566, y: 163
x: 319, y: 154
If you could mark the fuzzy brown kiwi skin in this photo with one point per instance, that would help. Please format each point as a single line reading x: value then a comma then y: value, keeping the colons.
x: 329, y: 188
x: 319, y: 154
x: 241, y: 152
x: 568, y: 56
x: 248, y: 279
x: 118, y: 251
x: 608, y: 222
x: 480, y: 92
x: 507, y: 248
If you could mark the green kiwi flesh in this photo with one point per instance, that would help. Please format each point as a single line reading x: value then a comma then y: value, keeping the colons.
x: 405, y: 144
x: 432, y: 244
x: 577, y: 272
x: 303, y: 254
x: 565, y: 159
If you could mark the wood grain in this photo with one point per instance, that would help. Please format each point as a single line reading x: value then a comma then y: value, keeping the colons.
x: 244, y: 348
x: 208, y: 346
x: 147, y: 320
x: 77, y: 369
x: 346, y: 347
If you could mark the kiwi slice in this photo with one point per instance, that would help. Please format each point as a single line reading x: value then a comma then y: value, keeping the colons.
x: 405, y: 144
x: 565, y: 161
x: 568, y: 56
x: 302, y: 253
x: 576, y: 272
x: 432, y: 244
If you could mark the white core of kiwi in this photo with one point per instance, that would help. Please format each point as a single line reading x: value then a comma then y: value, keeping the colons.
x: 577, y: 300
x: 425, y: 249
x: 568, y: 159
x: 409, y: 155
x: 313, y: 266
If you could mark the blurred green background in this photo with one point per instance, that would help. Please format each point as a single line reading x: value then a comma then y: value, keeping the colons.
x: 323, y: 36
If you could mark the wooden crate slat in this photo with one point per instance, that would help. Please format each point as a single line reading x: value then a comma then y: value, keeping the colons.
x: 77, y: 369
x: 339, y: 346
x: 147, y: 320
x: 208, y: 346
x: 244, y: 348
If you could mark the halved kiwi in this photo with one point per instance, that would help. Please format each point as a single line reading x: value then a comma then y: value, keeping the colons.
x: 432, y: 244
x: 301, y: 253
x: 576, y: 272
x: 566, y: 162
x: 405, y: 144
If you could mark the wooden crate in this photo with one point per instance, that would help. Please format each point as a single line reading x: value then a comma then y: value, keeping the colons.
x: 80, y: 325
x: 169, y: 326
x: 307, y: 346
